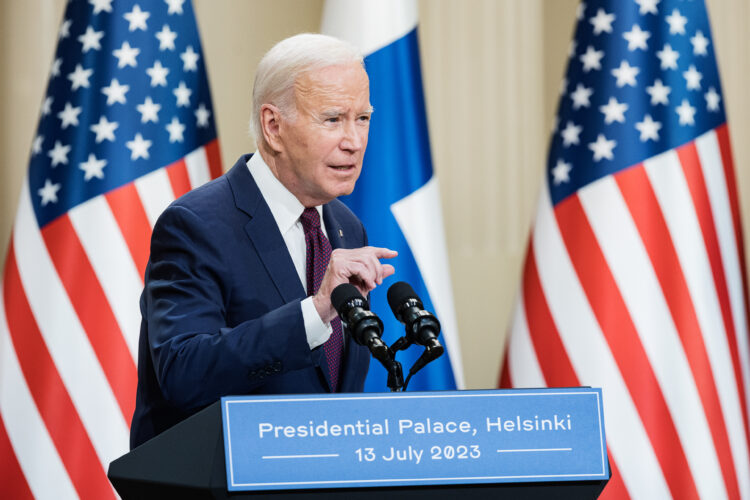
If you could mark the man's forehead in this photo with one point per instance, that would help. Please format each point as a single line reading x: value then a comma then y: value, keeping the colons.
x: 339, y: 75
x: 334, y: 90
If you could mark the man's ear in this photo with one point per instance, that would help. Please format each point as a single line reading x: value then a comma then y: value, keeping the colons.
x: 270, y: 122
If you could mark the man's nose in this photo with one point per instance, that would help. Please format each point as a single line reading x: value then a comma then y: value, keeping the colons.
x: 352, y: 140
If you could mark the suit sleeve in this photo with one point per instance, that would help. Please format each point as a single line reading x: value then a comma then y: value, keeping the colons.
x: 197, y: 358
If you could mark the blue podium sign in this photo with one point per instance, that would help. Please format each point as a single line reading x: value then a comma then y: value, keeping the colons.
x: 418, y: 438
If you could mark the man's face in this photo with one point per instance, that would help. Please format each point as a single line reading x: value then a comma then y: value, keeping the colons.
x: 325, y: 143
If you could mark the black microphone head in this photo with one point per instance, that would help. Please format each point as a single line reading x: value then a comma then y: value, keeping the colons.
x: 400, y: 293
x: 345, y: 293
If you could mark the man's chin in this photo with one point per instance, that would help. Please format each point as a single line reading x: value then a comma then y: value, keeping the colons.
x: 346, y: 190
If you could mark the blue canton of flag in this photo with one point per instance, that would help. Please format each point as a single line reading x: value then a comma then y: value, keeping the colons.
x: 635, y: 278
x: 397, y: 196
x: 126, y: 127
x: 638, y: 84
x: 124, y: 99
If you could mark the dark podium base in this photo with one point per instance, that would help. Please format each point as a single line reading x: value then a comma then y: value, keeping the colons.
x: 187, y: 462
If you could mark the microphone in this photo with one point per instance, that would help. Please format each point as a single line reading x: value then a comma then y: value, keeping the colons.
x: 364, y: 325
x: 422, y: 327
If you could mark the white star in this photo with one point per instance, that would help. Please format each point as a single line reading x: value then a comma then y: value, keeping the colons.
x: 101, y: 5
x: 700, y: 44
x: 175, y: 6
x: 126, y: 55
x: 602, y: 22
x: 79, y: 77
x: 647, y: 6
x: 55, y: 70
x: 158, y: 74
x: 591, y: 59
x: 69, y: 115
x: 201, y: 116
x: 602, y: 148
x: 712, y: 99
x: 59, y: 154
x: 93, y: 168
x: 676, y: 23
x: 36, y: 147
x: 658, y: 92
x: 138, y: 147
x: 47, y: 106
x: 686, y: 112
x: 570, y: 134
x: 91, y: 39
x: 636, y: 38
x: 692, y: 78
x: 48, y: 192
x: 668, y: 57
x: 189, y: 59
x: 183, y: 95
x: 560, y: 172
x: 166, y: 38
x: 581, y: 96
x: 64, y: 29
x: 175, y: 129
x: 115, y: 92
x: 137, y: 18
x: 614, y: 111
x: 625, y: 74
x: 149, y: 111
x: 648, y: 128
x: 104, y: 130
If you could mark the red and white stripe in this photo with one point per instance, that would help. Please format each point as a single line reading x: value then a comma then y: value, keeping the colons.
x: 69, y: 326
x: 636, y: 284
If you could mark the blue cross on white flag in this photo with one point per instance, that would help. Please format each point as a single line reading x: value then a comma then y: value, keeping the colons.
x: 397, y: 196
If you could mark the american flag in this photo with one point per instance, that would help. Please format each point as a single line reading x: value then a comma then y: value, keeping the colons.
x: 126, y: 127
x: 635, y: 278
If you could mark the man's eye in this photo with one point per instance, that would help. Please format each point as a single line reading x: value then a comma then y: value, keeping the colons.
x: 332, y: 119
x: 364, y: 118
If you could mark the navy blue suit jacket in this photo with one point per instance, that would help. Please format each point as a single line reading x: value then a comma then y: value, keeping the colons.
x: 221, y: 306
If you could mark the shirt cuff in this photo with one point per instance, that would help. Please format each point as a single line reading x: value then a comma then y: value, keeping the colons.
x: 316, y: 331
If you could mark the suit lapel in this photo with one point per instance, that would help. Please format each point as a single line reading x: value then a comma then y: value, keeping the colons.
x: 264, y: 233
x: 335, y: 231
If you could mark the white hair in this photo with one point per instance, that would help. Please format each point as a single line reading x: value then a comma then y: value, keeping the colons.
x: 285, y: 62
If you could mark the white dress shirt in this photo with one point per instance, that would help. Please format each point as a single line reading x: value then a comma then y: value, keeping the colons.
x: 286, y: 210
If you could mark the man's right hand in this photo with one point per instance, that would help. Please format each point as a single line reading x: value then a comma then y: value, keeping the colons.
x: 359, y: 266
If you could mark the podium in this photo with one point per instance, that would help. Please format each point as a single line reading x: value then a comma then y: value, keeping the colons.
x: 189, y: 461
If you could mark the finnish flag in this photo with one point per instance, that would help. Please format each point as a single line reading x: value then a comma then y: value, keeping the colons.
x: 397, y: 196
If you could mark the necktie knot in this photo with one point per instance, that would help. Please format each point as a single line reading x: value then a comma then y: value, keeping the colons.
x: 310, y: 219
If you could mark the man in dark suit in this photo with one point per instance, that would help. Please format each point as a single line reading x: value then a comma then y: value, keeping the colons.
x: 237, y: 291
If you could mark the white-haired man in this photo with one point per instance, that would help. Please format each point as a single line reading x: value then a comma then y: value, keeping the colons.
x: 237, y: 291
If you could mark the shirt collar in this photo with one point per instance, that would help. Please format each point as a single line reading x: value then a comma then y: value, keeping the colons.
x: 285, y: 207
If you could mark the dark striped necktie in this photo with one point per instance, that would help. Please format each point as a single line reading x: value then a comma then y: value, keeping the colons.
x: 318, y: 254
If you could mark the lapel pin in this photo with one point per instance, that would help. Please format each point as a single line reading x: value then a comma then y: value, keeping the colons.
x: 341, y: 233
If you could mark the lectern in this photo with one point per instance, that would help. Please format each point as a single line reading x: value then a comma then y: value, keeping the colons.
x: 520, y: 443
